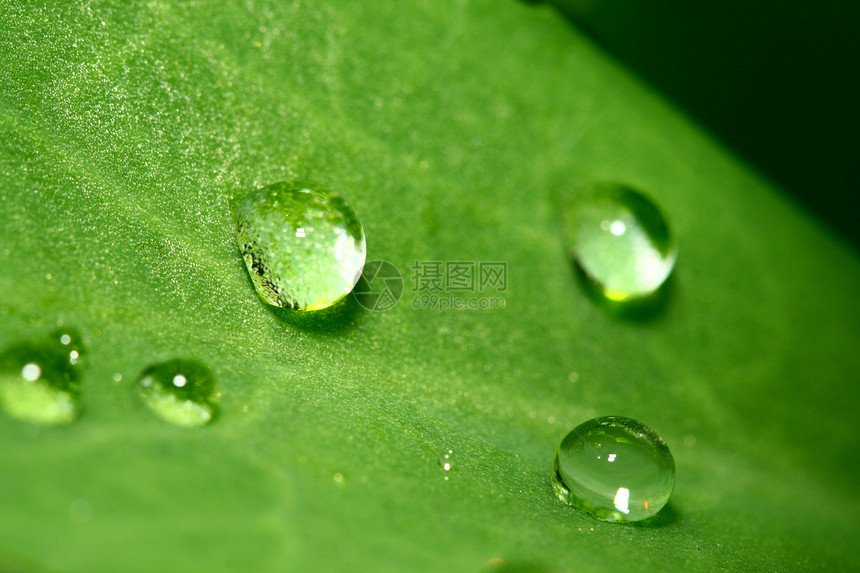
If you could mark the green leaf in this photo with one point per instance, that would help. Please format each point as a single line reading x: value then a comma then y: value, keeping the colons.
x: 129, y: 130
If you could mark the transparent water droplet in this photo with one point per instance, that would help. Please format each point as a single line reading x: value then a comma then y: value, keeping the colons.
x: 303, y: 246
x: 446, y: 461
x: 615, y: 469
x: 181, y: 392
x: 620, y: 241
x: 39, y: 379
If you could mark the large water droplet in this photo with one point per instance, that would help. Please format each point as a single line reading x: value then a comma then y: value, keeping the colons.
x: 304, y: 246
x: 179, y: 391
x: 39, y: 379
x: 620, y: 240
x: 615, y: 469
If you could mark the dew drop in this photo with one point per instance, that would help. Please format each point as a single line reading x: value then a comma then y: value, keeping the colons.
x: 620, y: 241
x: 181, y: 392
x: 446, y: 460
x: 303, y: 246
x: 614, y: 469
x: 39, y: 379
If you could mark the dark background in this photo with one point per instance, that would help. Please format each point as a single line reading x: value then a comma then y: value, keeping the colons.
x: 776, y: 81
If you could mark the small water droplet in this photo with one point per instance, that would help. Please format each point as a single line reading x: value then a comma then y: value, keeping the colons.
x: 615, y: 469
x: 338, y: 478
x: 39, y: 379
x: 620, y: 240
x: 181, y: 392
x: 446, y: 461
x: 303, y: 246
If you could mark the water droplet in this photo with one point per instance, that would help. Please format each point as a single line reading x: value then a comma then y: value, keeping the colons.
x: 446, y: 461
x: 338, y: 478
x: 179, y: 391
x: 620, y: 240
x: 304, y: 246
x: 615, y: 469
x: 39, y: 379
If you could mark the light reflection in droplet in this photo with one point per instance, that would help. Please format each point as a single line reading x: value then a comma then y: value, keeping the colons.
x: 31, y: 372
x: 622, y: 496
x: 617, y: 228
